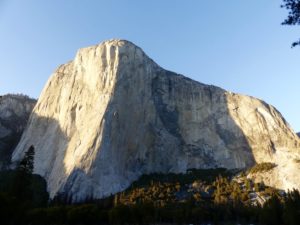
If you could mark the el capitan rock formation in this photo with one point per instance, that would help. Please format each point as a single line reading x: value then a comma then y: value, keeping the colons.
x: 14, y: 113
x: 112, y: 114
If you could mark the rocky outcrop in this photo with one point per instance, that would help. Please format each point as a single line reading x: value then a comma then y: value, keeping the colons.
x: 112, y: 114
x: 14, y: 113
x: 298, y: 134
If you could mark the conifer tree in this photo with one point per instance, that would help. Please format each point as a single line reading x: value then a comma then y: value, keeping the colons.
x: 21, y: 188
x: 27, y: 163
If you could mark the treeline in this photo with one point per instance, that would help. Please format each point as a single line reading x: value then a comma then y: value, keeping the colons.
x: 274, y: 212
x: 200, y: 196
x: 223, y: 189
x: 21, y: 191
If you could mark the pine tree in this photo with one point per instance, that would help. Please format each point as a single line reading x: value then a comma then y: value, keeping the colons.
x: 27, y: 163
x: 21, y: 187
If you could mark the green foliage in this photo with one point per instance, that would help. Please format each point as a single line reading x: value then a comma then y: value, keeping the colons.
x: 262, y: 167
x: 271, y: 213
x: 159, y: 202
x: 208, y: 175
x: 21, y: 191
x: 26, y: 165
x: 291, y: 214
x: 28, y: 189
x: 33, y: 191
x: 293, y: 7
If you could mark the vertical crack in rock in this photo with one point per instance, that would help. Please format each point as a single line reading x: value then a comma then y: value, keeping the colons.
x: 162, y: 89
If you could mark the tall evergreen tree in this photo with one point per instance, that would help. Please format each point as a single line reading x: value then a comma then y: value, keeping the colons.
x: 22, y: 181
x: 27, y: 163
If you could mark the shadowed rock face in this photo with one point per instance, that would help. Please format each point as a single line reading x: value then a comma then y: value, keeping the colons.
x: 113, y: 114
x: 14, y: 113
x: 298, y: 134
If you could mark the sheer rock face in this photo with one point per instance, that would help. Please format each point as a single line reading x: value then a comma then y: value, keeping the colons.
x: 113, y: 114
x: 14, y: 113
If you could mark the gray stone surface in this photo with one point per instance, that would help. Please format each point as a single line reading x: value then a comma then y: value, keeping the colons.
x: 112, y: 114
x: 14, y: 113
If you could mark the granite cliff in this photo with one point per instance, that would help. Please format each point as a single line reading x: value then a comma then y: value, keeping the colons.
x: 112, y: 114
x: 14, y: 113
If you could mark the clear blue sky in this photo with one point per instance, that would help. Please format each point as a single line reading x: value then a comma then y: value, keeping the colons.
x: 237, y: 45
